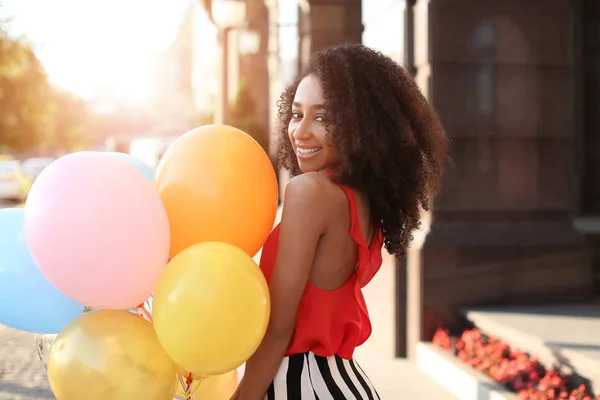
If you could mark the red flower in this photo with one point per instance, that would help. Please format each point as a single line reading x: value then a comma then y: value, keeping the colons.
x: 512, y: 368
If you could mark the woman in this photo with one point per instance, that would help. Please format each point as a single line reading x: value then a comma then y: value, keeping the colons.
x: 366, y: 152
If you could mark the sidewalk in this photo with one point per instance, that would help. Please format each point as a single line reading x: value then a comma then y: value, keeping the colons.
x: 22, y: 376
x: 398, y: 379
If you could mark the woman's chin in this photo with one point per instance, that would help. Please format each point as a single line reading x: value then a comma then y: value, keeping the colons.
x: 307, y: 170
x: 306, y: 167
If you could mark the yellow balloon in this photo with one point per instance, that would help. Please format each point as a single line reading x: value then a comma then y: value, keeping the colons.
x: 220, y: 387
x: 211, y: 308
x: 110, y: 355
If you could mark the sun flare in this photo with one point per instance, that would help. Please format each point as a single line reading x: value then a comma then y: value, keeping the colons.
x: 93, y: 46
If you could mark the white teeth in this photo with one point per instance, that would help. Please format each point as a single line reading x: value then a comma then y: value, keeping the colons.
x: 308, y: 152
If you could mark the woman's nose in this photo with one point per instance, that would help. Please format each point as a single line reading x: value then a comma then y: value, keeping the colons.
x: 302, y: 130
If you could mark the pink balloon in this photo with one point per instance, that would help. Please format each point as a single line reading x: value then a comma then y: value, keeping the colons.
x: 98, y: 230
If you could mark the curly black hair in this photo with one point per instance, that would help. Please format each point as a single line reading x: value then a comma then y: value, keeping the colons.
x: 391, y: 142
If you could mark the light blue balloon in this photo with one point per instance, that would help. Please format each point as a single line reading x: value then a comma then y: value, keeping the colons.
x: 141, y: 166
x: 28, y: 301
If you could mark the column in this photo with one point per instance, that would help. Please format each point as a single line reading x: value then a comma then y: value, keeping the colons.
x: 254, y: 68
x: 501, y: 74
x: 589, y: 189
x: 325, y: 23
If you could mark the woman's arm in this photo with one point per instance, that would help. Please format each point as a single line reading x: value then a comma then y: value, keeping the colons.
x: 303, y: 222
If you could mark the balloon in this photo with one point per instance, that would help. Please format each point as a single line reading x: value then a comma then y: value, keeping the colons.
x: 44, y: 342
x: 218, y: 184
x: 220, y: 387
x: 141, y: 166
x: 110, y: 355
x: 211, y: 308
x: 28, y: 302
x: 97, y: 230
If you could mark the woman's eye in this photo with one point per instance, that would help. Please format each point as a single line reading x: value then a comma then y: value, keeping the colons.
x: 296, y: 115
x: 320, y: 118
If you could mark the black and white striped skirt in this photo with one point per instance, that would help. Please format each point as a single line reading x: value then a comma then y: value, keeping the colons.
x: 310, y: 377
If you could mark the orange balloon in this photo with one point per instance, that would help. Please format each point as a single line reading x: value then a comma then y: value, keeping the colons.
x: 218, y: 184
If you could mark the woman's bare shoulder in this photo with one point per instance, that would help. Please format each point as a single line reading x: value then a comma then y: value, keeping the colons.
x: 313, y: 191
x: 312, y: 186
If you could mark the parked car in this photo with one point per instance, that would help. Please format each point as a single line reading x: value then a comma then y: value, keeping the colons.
x: 34, y: 166
x: 14, y: 183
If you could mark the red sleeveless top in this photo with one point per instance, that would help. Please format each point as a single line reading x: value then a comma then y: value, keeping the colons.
x: 332, y: 322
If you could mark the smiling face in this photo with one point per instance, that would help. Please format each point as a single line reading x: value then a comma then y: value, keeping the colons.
x: 307, y: 129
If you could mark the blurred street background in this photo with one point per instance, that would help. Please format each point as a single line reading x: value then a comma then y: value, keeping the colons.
x: 512, y: 246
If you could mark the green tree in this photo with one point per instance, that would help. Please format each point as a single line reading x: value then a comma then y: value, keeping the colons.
x: 73, y: 123
x: 242, y: 115
x: 33, y: 114
x: 25, y: 95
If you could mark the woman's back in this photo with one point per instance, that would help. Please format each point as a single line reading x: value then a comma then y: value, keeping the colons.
x: 332, y: 315
x: 337, y: 253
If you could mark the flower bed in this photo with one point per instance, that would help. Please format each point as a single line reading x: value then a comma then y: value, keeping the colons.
x: 514, y: 369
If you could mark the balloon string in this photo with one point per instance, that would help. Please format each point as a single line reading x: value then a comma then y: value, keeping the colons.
x: 188, y: 385
x: 182, y: 383
x: 146, y: 313
x: 196, y: 387
x: 185, y: 386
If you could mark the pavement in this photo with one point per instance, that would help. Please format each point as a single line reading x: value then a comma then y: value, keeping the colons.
x: 22, y: 375
x: 9, y: 204
x: 398, y: 378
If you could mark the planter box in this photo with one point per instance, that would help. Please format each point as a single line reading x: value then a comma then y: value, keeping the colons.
x: 456, y: 377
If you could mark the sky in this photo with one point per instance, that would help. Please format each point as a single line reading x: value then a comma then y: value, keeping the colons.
x: 109, y: 45
x: 87, y: 45
x: 384, y: 25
